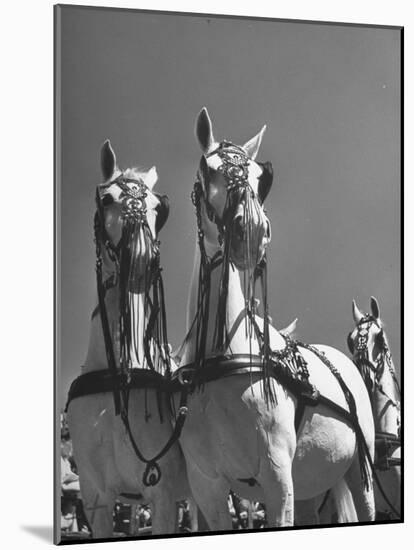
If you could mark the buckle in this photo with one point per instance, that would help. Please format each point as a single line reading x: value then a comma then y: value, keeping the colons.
x: 185, y: 375
x: 310, y: 396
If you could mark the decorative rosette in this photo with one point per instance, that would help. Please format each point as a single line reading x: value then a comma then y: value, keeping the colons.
x: 234, y: 168
x: 133, y: 196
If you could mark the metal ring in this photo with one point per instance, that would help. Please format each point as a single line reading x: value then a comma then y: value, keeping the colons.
x: 181, y: 372
x: 152, y: 474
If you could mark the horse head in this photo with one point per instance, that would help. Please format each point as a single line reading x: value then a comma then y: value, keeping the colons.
x: 232, y: 189
x: 128, y: 219
x: 367, y: 343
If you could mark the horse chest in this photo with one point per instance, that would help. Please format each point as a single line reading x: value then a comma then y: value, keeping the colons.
x: 212, y: 436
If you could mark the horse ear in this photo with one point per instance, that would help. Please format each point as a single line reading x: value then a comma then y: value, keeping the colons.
x: 265, y: 180
x: 108, y: 160
x: 375, y: 307
x: 252, y: 146
x: 163, y: 210
x: 350, y: 343
x: 204, y: 132
x: 151, y: 178
x: 290, y: 329
x: 357, y: 314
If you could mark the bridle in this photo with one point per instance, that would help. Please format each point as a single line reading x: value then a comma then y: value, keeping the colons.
x: 360, y: 349
x: 234, y: 168
x: 134, y: 219
x: 134, y: 212
x: 385, y: 442
x: 362, y: 361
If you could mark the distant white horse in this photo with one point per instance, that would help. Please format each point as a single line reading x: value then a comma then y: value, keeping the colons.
x: 240, y: 432
x: 370, y: 349
x: 127, y: 335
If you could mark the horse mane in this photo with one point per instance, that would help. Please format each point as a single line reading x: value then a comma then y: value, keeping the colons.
x: 135, y: 172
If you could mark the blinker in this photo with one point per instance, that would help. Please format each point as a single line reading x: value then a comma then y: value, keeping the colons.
x: 107, y: 199
x: 350, y: 343
x: 163, y: 211
x: 265, y: 180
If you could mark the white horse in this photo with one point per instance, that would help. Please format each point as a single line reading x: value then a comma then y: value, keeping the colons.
x: 240, y: 434
x: 129, y: 217
x: 370, y: 349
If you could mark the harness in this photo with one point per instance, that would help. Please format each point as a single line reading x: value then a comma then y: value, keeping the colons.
x: 121, y: 380
x: 234, y: 168
x: 289, y: 368
x: 385, y: 443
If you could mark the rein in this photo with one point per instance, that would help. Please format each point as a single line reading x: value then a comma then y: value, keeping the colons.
x: 134, y: 220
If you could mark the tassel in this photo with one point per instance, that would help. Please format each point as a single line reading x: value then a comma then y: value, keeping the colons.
x: 130, y: 273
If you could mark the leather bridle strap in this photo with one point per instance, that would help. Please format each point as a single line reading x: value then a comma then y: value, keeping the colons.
x: 215, y: 262
x: 107, y: 284
x: 101, y: 236
x: 109, y: 349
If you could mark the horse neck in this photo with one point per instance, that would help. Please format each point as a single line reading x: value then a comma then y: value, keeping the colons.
x: 386, y: 414
x: 96, y: 358
x: 234, y: 310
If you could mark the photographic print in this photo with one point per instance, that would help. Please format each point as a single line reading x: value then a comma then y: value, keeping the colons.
x: 228, y: 274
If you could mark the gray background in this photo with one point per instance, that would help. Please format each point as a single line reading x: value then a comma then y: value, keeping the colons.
x: 330, y: 96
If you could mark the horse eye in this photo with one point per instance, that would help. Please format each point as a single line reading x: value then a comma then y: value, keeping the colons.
x: 107, y: 200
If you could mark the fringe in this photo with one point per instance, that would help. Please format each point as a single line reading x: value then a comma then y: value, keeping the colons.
x: 156, y: 349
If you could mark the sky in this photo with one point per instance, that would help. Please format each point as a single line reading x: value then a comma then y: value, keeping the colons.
x: 330, y: 96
